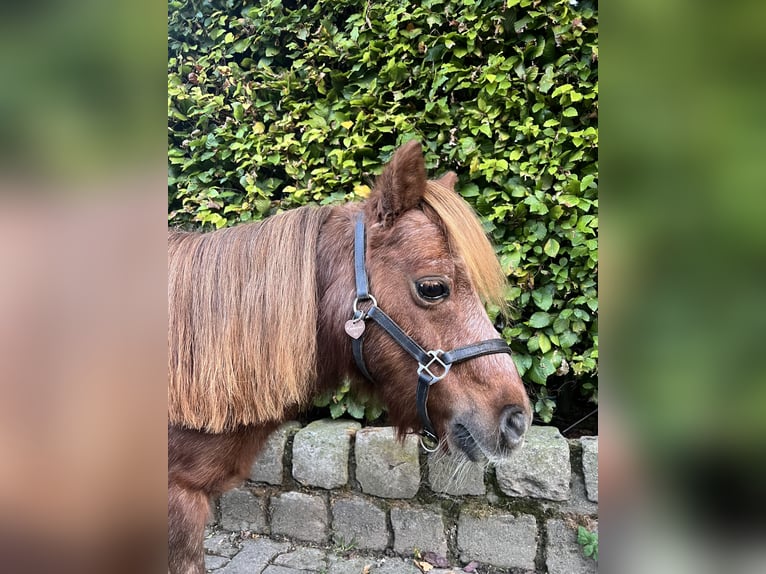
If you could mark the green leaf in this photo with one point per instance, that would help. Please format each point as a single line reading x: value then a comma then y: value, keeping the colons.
x: 337, y: 410
x: 323, y: 399
x: 540, y: 319
x: 543, y: 342
x: 541, y: 370
x: 543, y: 296
x: 354, y: 408
x: 373, y: 411
x: 551, y: 247
x: 469, y: 190
x: 523, y: 362
x: 544, y: 408
x: 567, y: 339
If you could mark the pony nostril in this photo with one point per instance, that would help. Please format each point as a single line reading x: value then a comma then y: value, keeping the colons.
x: 513, y: 424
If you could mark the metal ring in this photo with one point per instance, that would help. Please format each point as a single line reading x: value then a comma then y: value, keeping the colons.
x: 368, y: 298
x: 431, y: 439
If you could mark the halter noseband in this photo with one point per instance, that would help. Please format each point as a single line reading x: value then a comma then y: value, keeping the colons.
x: 433, y: 365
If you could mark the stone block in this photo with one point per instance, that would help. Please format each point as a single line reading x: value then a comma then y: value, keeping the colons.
x: 418, y: 528
x: 300, y: 516
x: 343, y: 565
x: 285, y: 570
x: 213, y: 562
x: 303, y: 559
x: 455, y: 475
x: 242, y: 510
x: 590, y: 466
x: 320, y: 453
x: 385, y: 467
x: 370, y: 565
x: 358, y: 521
x: 268, y: 467
x: 395, y: 566
x: 254, y: 556
x: 499, y: 539
x: 539, y: 469
x: 222, y: 544
x: 563, y: 555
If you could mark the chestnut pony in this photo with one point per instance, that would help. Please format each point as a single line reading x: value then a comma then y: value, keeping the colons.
x: 261, y: 318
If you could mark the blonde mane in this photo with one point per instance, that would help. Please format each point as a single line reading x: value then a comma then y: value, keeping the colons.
x: 242, y: 321
x: 469, y: 241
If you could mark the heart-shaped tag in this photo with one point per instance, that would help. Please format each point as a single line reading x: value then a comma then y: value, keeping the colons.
x: 354, y: 328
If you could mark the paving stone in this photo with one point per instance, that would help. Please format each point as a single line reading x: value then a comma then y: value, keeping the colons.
x: 215, y: 562
x: 500, y: 539
x: 395, y: 566
x: 418, y: 528
x: 563, y: 554
x: 590, y: 466
x: 254, y: 556
x: 342, y: 565
x: 540, y: 469
x: 242, y: 510
x: 384, y: 467
x: 301, y: 516
x: 285, y: 570
x: 303, y: 558
x: 268, y: 467
x: 221, y: 545
x: 358, y: 521
x: 387, y: 565
x: 455, y: 475
x: 320, y: 453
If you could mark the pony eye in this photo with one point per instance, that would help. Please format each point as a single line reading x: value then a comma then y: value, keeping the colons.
x: 432, y: 289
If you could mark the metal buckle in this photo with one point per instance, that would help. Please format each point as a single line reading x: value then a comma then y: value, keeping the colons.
x: 434, y: 359
x: 357, y: 311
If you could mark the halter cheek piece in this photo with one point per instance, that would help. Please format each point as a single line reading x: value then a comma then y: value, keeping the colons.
x: 433, y: 365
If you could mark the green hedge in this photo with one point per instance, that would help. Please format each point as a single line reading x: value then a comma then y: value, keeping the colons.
x: 278, y: 104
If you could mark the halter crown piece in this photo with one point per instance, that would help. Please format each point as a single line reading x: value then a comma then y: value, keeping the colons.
x: 433, y: 365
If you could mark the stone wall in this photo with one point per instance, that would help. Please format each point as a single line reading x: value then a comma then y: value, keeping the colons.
x: 335, y: 484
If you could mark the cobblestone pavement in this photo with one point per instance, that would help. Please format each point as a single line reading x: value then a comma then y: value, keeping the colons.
x: 240, y: 553
x: 335, y: 498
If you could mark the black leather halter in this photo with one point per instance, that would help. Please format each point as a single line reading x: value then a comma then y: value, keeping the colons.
x: 433, y: 365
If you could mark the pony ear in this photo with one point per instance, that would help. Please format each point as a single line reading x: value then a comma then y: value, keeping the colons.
x: 448, y: 180
x: 401, y: 185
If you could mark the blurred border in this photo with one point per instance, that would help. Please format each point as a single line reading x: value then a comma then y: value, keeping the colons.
x: 682, y: 283
x: 82, y: 286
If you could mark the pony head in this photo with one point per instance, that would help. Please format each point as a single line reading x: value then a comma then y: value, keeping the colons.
x: 431, y: 269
